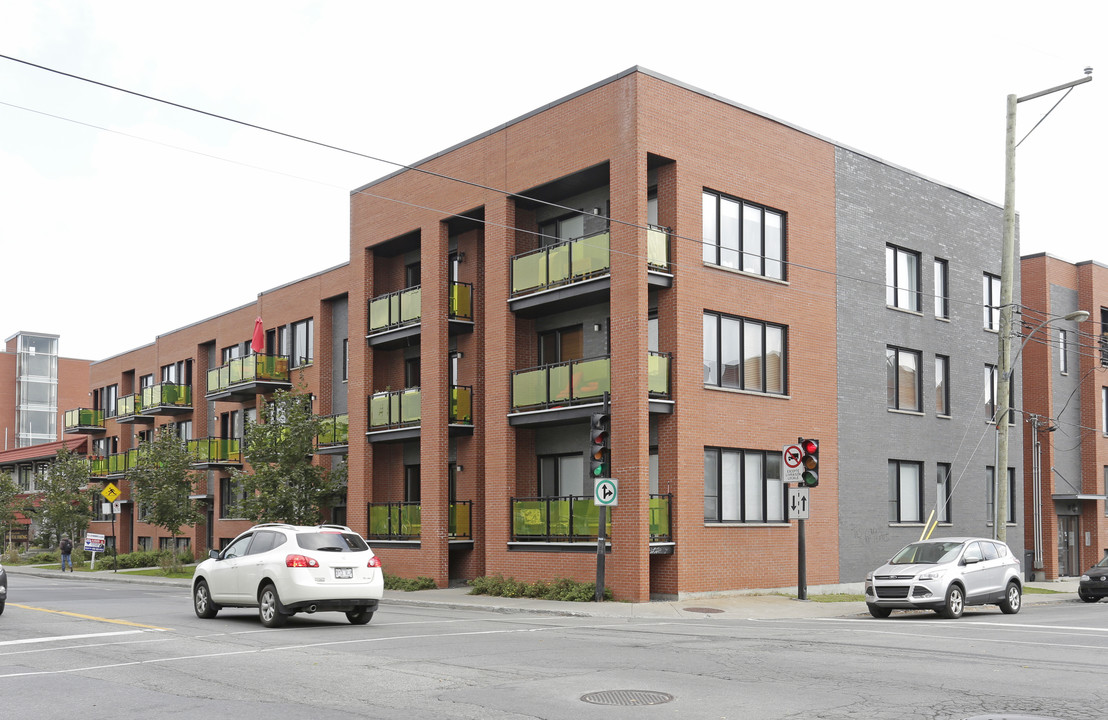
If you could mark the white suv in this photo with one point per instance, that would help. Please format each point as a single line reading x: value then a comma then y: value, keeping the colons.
x: 285, y: 569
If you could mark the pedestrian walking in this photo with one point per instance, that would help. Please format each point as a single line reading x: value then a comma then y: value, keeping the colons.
x: 66, y: 548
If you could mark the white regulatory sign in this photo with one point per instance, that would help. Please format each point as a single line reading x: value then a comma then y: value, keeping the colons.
x: 798, y: 503
x: 606, y: 492
x: 791, y: 455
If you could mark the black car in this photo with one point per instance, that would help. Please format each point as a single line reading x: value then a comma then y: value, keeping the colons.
x: 1094, y: 582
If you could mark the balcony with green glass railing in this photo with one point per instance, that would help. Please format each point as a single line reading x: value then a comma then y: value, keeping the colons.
x: 399, y: 409
x: 129, y: 409
x: 334, y: 434
x: 567, y: 262
x: 114, y: 465
x: 167, y: 398
x: 84, y: 421
x: 250, y: 375
x: 395, y: 317
x: 402, y: 521
x: 574, y: 518
x: 212, y: 451
x: 580, y: 381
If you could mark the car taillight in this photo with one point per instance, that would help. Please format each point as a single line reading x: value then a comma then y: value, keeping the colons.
x: 374, y: 562
x: 300, y: 561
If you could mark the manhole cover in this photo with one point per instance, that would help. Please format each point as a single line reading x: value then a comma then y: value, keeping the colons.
x: 627, y: 697
x: 703, y: 610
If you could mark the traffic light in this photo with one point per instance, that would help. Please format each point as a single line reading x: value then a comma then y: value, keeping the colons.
x: 809, y: 461
x: 598, y: 445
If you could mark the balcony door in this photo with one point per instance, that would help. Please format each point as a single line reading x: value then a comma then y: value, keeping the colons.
x: 561, y: 345
x: 561, y: 475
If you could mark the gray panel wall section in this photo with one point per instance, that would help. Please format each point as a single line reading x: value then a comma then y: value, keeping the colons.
x: 1065, y: 397
x: 877, y: 205
x: 339, y: 312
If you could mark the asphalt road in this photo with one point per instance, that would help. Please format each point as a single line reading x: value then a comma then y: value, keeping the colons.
x: 73, y: 647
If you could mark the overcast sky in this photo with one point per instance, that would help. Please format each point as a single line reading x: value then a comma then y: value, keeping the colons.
x: 108, y: 201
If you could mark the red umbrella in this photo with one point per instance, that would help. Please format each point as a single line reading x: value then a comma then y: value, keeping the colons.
x: 257, y: 345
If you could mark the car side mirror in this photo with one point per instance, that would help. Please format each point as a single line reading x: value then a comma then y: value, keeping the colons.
x: 213, y: 554
x: 971, y: 560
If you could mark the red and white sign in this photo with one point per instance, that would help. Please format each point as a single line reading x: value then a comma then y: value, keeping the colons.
x: 791, y: 455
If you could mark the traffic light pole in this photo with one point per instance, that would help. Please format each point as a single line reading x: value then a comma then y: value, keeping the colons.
x: 601, y: 536
x: 801, y: 562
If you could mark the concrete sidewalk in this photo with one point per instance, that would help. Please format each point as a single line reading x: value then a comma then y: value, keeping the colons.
x: 765, y: 604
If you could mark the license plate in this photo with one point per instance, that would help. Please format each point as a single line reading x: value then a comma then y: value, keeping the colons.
x: 344, y: 573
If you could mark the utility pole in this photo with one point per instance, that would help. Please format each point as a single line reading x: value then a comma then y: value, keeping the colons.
x: 1007, y: 281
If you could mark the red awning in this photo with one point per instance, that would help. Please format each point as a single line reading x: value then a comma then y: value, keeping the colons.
x: 44, y: 451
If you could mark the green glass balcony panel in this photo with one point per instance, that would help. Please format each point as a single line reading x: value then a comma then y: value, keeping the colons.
x: 559, y: 260
x: 559, y: 515
x: 128, y: 406
x: 206, y: 450
x: 98, y: 466
x: 379, y: 518
x: 334, y: 430
x: 591, y: 378
x: 658, y: 374
x: 84, y: 417
x: 410, y: 401
x: 529, y: 388
x: 559, y: 389
x: 272, y: 368
x: 167, y: 394
x: 410, y: 520
x: 461, y: 405
x: 410, y: 305
x: 529, y: 518
x: 379, y: 410
x: 461, y: 301
x: 586, y: 518
x: 379, y: 313
x: 591, y: 255
x: 460, y: 519
x: 659, y: 517
x: 528, y: 272
x: 239, y: 371
x: 657, y: 248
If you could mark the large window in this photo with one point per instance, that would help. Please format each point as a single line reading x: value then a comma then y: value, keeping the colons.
x: 990, y: 499
x: 231, y: 495
x: 990, y: 298
x: 178, y: 373
x: 903, y: 379
x: 944, y: 490
x: 902, y: 278
x: 1104, y: 410
x: 942, y: 291
x: 561, y: 475
x: 561, y: 345
x: 1063, y: 352
x: 743, y: 486
x: 743, y: 236
x: 942, y: 385
x: 744, y: 354
x: 302, y: 353
x: 905, y: 491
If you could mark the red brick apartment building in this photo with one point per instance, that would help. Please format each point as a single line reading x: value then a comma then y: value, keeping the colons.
x: 1065, y: 393
x: 638, y: 241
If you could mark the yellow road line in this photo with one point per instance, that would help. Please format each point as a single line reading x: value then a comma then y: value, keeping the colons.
x: 90, y: 617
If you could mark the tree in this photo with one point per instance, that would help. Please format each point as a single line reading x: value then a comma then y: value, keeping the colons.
x: 284, y: 485
x: 10, y: 504
x: 66, y: 505
x: 162, y: 481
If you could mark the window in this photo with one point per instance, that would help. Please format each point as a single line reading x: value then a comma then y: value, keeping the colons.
x: 184, y: 429
x: 411, y: 372
x: 990, y: 297
x: 743, y: 486
x: 411, y: 275
x: 563, y: 228
x: 744, y: 354
x: 743, y: 236
x: 231, y: 495
x: 902, y: 282
x: 228, y: 354
x: 302, y: 353
x: 905, y: 491
x: 1104, y: 337
x: 106, y: 399
x: 178, y: 373
x: 942, y: 292
x: 1063, y: 348
x: 903, y: 379
x: 561, y: 345
x: 345, y: 360
x: 944, y: 490
x: 1104, y: 410
x: 412, y: 487
x: 277, y: 341
x: 942, y: 385
x: 562, y: 475
x: 145, y: 543
x: 146, y: 381
x: 990, y: 499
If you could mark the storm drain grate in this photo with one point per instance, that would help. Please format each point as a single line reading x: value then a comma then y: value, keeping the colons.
x: 703, y: 610
x: 627, y: 697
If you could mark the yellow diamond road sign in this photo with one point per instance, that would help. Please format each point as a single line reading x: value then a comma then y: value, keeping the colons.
x: 111, y: 492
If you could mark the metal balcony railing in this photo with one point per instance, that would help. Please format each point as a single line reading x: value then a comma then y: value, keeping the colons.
x: 403, y: 307
x: 167, y: 394
x: 402, y: 408
x: 657, y: 248
x: 402, y: 520
x: 661, y: 517
x: 567, y: 262
x: 129, y: 406
x: 213, y: 450
x: 578, y: 381
x: 569, y: 518
x: 334, y: 430
x: 83, y: 417
x: 249, y: 369
x: 113, y: 464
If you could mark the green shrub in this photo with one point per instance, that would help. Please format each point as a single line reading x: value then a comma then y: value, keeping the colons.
x: 561, y: 589
x: 393, y: 582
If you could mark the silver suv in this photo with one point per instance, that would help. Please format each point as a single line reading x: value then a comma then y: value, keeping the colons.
x: 946, y: 575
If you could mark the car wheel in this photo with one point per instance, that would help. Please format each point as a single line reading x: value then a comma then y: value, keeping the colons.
x: 1010, y: 605
x: 269, y: 608
x: 202, y: 601
x: 359, y: 617
x: 1086, y: 597
x: 879, y: 612
x: 955, y: 603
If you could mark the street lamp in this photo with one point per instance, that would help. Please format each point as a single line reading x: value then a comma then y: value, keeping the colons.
x: 1007, y: 277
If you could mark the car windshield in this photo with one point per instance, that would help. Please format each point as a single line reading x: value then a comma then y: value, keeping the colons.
x: 331, y: 541
x: 1103, y: 562
x: 927, y: 552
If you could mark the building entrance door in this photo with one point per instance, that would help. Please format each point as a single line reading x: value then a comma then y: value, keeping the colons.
x: 1067, y: 546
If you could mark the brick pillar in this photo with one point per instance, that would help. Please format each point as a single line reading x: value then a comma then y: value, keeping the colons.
x: 359, y: 479
x: 434, y: 440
